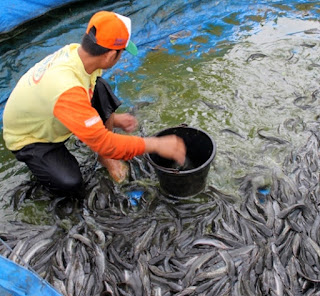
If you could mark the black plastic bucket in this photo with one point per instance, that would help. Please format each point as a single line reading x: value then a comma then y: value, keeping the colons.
x: 190, y: 179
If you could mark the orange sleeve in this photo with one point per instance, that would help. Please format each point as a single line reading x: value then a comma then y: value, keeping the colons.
x: 74, y: 111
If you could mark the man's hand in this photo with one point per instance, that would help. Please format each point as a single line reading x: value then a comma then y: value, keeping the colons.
x: 126, y: 122
x: 171, y: 147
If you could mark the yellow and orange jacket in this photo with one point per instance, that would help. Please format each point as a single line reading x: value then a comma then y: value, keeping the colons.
x: 52, y: 101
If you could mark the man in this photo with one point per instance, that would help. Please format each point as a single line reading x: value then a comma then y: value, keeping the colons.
x: 63, y: 95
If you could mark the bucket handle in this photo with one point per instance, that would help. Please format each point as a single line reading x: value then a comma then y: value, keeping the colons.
x: 172, y: 170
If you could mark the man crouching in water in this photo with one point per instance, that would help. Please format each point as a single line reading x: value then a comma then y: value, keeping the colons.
x: 64, y: 94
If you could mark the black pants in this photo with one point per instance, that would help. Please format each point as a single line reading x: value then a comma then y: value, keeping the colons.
x: 52, y: 163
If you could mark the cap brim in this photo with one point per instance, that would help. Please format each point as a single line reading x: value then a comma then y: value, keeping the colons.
x: 132, y: 48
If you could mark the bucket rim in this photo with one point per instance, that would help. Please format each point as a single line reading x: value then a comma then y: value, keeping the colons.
x: 184, y: 172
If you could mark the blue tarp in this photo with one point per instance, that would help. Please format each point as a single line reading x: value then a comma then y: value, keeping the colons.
x: 16, y: 280
x: 16, y: 12
x: 153, y: 24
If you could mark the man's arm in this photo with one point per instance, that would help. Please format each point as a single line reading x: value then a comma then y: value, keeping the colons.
x: 73, y: 109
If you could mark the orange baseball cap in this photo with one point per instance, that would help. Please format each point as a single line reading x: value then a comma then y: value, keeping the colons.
x: 113, y: 31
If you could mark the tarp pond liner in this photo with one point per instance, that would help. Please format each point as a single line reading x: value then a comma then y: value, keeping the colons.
x: 16, y: 12
x: 189, y: 179
x: 15, y: 280
x: 241, y: 94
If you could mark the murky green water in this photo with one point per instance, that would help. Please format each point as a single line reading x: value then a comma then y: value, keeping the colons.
x: 247, y: 87
x: 255, y: 96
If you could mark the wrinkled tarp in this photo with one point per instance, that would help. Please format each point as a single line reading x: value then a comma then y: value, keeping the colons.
x: 16, y: 280
x: 16, y: 12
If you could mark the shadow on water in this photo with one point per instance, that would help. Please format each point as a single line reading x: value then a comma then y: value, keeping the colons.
x: 248, y: 77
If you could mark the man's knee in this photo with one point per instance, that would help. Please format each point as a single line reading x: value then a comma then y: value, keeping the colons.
x: 53, y: 165
x: 67, y: 183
